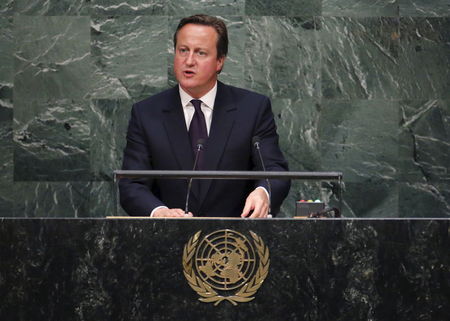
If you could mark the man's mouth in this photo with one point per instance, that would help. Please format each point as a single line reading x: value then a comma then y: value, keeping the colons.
x: 189, y: 73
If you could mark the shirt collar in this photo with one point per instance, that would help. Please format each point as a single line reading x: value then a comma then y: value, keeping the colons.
x: 208, y: 99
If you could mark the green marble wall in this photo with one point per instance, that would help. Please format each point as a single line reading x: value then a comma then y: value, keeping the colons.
x: 358, y: 86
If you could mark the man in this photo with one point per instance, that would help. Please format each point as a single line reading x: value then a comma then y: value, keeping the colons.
x: 164, y: 131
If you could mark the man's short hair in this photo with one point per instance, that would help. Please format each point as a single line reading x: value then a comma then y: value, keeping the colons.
x: 205, y: 20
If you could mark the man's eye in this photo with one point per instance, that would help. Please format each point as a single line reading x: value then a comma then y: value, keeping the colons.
x: 202, y: 53
x: 182, y: 50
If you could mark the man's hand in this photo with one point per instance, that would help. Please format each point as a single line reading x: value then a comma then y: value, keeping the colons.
x: 171, y: 212
x: 258, y: 202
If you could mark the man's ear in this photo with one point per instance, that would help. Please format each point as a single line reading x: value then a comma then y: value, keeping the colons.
x: 220, y: 63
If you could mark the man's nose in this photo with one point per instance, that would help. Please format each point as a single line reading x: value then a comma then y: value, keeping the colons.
x: 190, y: 59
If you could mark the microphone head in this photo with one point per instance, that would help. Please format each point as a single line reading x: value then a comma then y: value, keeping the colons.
x: 201, y: 142
x: 255, y: 140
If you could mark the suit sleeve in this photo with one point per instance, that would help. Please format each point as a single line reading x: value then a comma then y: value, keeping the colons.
x: 271, y: 153
x: 136, y: 197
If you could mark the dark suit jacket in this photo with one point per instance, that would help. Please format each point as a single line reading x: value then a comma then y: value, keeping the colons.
x: 157, y: 139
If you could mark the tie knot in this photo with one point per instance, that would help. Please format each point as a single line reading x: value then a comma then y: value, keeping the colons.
x: 197, y: 103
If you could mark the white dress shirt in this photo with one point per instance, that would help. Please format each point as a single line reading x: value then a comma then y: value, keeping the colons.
x: 207, y: 106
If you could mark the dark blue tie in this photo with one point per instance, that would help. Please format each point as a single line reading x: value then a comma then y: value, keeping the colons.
x: 197, y: 130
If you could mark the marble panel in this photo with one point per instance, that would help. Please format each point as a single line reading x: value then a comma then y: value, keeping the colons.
x: 52, y: 7
x: 424, y: 8
x: 129, y: 54
x: 297, y: 126
x: 359, y: 138
x: 340, y: 270
x: 424, y: 199
x: 6, y: 112
x: 6, y: 142
x: 233, y: 71
x: 374, y: 198
x: 425, y: 141
x: 50, y: 199
x: 283, y: 8
x: 129, y: 7
x: 7, y: 197
x: 59, y: 199
x: 425, y: 58
x: 6, y: 57
x: 52, y: 58
x: 7, y: 7
x: 108, y: 125
x: 103, y: 200
x: 210, y: 7
x: 360, y: 8
x: 315, y: 137
x: 6, y: 156
x: 282, y: 58
x: 51, y: 140
x: 359, y: 57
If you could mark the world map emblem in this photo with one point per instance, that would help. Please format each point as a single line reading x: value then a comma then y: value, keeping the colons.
x: 225, y: 266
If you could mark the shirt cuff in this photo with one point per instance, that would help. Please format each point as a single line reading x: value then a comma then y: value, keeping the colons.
x: 157, y: 208
x: 264, y: 189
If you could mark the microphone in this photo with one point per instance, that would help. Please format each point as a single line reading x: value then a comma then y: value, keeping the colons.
x: 256, y: 142
x: 328, y: 212
x: 200, y: 143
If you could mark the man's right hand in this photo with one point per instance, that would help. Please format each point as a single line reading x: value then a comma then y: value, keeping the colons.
x: 171, y: 212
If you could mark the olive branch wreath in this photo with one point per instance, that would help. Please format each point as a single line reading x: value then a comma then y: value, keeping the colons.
x: 207, y: 293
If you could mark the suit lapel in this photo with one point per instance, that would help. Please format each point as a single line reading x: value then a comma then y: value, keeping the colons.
x: 222, y: 122
x: 175, y: 126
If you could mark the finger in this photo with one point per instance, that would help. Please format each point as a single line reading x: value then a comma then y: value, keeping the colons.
x: 256, y: 210
x: 260, y: 211
x: 177, y: 212
x: 247, y: 207
x: 172, y: 212
x: 182, y: 213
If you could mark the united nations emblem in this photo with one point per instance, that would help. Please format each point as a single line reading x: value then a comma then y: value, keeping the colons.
x: 225, y: 266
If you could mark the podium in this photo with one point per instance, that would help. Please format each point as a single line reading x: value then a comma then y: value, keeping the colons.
x: 235, y: 175
x: 135, y: 269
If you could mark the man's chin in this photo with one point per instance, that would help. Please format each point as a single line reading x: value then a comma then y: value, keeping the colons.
x: 191, y: 89
x: 186, y: 85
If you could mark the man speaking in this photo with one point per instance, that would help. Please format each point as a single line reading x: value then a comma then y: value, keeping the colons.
x: 205, y: 119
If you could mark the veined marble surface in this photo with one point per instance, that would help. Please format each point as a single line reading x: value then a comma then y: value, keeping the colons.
x: 363, y: 8
x: 129, y: 54
x: 424, y: 8
x: 52, y: 57
x: 101, y: 269
x: 361, y: 87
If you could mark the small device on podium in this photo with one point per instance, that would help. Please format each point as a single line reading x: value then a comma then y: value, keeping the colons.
x: 315, y: 209
x: 304, y: 208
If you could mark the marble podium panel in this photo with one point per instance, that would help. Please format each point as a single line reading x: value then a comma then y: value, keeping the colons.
x: 131, y: 269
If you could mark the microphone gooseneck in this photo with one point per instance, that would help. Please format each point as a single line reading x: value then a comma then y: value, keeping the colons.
x: 256, y: 142
x: 200, y: 143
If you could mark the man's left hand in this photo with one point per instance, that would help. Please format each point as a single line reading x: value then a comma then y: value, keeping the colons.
x: 258, y: 202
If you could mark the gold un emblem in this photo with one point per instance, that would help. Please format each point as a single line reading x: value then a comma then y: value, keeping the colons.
x: 225, y: 266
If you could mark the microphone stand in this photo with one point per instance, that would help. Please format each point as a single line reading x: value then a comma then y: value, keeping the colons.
x: 256, y: 144
x: 199, y: 148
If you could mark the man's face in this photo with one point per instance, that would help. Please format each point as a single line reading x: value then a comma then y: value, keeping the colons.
x: 196, y: 63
